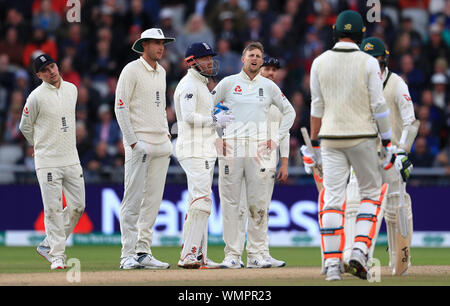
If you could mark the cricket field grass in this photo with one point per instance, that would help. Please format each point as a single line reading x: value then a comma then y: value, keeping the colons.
x: 99, y: 265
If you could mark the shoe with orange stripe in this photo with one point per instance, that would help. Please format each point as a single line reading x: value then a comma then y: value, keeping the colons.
x: 358, y: 264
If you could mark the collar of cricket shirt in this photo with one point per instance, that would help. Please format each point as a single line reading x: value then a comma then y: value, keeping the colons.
x: 197, y: 75
x: 147, y: 65
x: 50, y: 86
x: 247, y: 78
x: 346, y: 45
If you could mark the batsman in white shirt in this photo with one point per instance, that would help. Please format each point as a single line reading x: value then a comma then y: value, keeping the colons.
x: 348, y: 111
x: 404, y: 131
x: 196, y: 150
x: 140, y: 108
x: 48, y: 124
x: 246, y: 150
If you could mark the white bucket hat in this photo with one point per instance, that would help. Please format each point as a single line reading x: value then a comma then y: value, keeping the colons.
x: 153, y: 33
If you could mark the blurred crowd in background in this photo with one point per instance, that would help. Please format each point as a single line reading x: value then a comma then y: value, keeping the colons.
x: 92, y: 53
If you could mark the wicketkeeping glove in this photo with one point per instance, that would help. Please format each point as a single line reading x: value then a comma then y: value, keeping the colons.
x: 220, y: 107
x: 403, y: 164
x: 222, y: 119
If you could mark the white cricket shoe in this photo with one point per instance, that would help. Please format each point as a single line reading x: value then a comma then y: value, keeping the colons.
x: 57, y: 264
x: 210, y: 264
x: 274, y: 262
x: 257, y: 262
x: 129, y: 263
x: 44, y: 252
x: 190, y: 261
x: 334, y: 273
x: 150, y: 262
x: 358, y: 264
x: 231, y: 262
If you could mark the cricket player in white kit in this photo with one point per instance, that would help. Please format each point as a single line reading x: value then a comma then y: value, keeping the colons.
x: 247, y: 151
x: 268, y: 70
x: 348, y: 111
x: 48, y: 124
x: 196, y: 150
x: 140, y: 108
x: 404, y: 131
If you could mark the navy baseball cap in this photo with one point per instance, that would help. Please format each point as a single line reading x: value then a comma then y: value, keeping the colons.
x: 270, y: 61
x: 197, y: 50
x: 41, y: 61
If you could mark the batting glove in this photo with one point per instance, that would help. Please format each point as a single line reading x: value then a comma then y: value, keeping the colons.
x: 403, y: 164
x: 310, y: 159
x: 389, y: 154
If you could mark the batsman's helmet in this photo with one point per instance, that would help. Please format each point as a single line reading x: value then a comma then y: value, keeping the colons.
x: 349, y: 24
x: 375, y: 47
x: 198, y: 50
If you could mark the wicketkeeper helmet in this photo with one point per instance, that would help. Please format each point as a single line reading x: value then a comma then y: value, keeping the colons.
x: 198, y: 50
x: 375, y: 47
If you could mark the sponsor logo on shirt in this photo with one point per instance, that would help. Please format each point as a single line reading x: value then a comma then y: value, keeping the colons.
x: 120, y: 104
x: 238, y: 90
x: 26, y: 111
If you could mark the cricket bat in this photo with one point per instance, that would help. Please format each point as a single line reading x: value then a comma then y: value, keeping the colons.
x: 317, y: 169
x: 402, y: 235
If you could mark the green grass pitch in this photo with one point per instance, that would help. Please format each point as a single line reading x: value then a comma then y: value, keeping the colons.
x: 106, y: 258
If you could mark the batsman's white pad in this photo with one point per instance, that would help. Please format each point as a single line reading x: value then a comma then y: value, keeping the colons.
x: 351, y: 211
x: 194, y: 231
x: 367, y: 221
x: 331, y: 222
x: 391, y: 225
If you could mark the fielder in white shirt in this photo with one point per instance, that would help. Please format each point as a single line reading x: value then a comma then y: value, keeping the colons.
x: 140, y: 108
x: 268, y: 70
x: 48, y: 124
x: 196, y: 150
x: 246, y: 152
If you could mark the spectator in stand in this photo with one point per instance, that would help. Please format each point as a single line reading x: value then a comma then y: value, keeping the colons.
x: 443, y: 159
x: 238, y: 16
x: 15, y: 19
x: 440, y: 94
x: 74, y: 45
x: 39, y: 42
x: 229, y: 31
x: 230, y: 61
x: 12, y: 134
x: 253, y: 31
x: 99, y: 161
x: 68, y: 73
x: 412, y: 76
x: 12, y: 46
x: 435, y: 114
x: 45, y: 18
x: 136, y: 16
x: 194, y: 30
x: 435, y: 47
x: 266, y: 15
x: 420, y: 155
x: 107, y: 130
x: 84, y: 142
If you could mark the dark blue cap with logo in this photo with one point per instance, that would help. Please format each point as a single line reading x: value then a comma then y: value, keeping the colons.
x: 197, y: 50
x: 270, y: 61
x: 41, y: 61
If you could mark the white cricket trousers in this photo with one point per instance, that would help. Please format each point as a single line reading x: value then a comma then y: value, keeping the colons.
x: 250, y: 227
x: 145, y: 176
x: 254, y: 172
x: 336, y: 168
x: 59, y: 222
